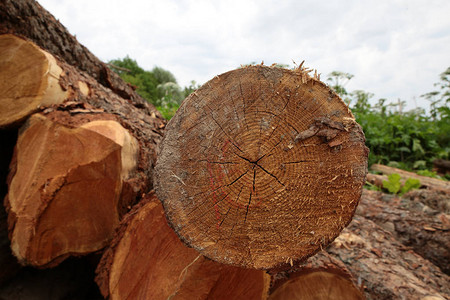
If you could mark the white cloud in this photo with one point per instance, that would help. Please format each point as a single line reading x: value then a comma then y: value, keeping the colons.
x: 395, y: 49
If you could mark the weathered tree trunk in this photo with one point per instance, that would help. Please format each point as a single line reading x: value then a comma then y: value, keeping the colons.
x: 26, y: 18
x: 79, y: 165
x: 146, y: 260
x: 261, y: 167
x: 425, y: 181
x: 428, y: 235
x: 442, y: 166
x: 321, y: 277
x: 386, y: 268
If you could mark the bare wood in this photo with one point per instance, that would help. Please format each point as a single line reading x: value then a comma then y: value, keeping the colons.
x: 424, y: 180
x: 146, y: 260
x: 123, y: 137
x: 28, y: 80
x: 386, y: 268
x: 27, y: 18
x: 320, y: 277
x: 64, y: 194
x: 261, y: 167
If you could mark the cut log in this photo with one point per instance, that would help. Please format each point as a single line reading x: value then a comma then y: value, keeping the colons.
x: 146, y: 260
x: 261, y: 167
x: 321, y: 277
x: 441, y: 166
x: 386, y: 268
x: 28, y: 80
x: 66, y: 187
x: 431, y: 183
x: 26, y: 18
x: 428, y: 235
x: 94, y: 136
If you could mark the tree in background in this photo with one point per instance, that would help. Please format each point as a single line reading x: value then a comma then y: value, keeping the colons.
x: 157, y: 86
x: 409, y: 140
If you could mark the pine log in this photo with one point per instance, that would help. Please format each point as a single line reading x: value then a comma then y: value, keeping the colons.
x: 146, y: 260
x: 261, y: 167
x: 26, y: 18
x: 321, y: 277
x: 441, y: 166
x: 431, y: 183
x: 386, y: 268
x: 427, y: 235
x: 94, y: 136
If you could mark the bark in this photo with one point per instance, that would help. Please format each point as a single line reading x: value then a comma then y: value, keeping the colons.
x: 261, y: 167
x: 26, y: 18
x: 442, y: 166
x: 321, y: 277
x: 146, y: 260
x: 431, y: 183
x: 91, y: 136
x: 427, y: 235
x: 386, y: 268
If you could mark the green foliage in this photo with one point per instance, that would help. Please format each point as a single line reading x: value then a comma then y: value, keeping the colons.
x: 394, y: 186
x: 407, y: 140
x: 157, y: 86
x: 410, y: 184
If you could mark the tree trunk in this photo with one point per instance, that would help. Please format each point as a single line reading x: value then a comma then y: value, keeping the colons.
x: 26, y: 18
x: 442, y: 166
x: 146, y: 260
x: 261, y: 167
x: 321, y: 277
x: 428, y: 235
x: 90, y: 136
x: 386, y: 268
x: 425, y: 181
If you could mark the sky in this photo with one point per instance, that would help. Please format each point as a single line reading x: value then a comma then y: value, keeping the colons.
x: 395, y: 49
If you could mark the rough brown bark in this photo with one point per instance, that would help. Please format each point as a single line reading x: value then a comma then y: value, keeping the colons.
x: 428, y: 235
x: 57, y: 149
x: 146, y: 260
x: 425, y: 181
x: 386, y: 268
x: 442, y: 166
x: 260, y: 167
x: 28, y: 19
x: 321, y: 277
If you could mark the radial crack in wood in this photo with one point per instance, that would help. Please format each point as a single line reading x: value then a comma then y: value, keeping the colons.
x: 65, y: 188
x: 260, y: 167
x: 146, y: 260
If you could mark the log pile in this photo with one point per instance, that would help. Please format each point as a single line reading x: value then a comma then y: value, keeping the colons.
x: 258, y: 173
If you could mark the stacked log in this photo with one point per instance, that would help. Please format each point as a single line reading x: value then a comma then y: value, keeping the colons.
x: 259, y: 170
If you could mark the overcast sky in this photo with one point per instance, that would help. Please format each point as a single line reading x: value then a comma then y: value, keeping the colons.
x: 395, y: 49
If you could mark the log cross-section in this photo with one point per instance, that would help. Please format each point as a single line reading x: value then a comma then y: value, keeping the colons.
x: 261, y: 167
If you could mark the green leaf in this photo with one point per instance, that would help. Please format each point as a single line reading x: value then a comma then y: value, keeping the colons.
x: 410, y: 184
x: 419, y: 164
x: 417, y: 147
x: 393, y: 183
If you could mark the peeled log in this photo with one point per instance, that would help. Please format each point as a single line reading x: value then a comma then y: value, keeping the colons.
x: 146, y: 260
x: 65, y: 188
x: 321, y: 277
x: 261, y: 167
